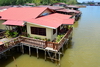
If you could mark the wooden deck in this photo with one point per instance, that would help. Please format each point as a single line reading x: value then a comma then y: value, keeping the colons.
x: 51, y: 49
x: 45, y: 44
x: 37, y: 43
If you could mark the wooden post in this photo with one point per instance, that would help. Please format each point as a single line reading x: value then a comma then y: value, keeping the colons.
x: 67, y: 45
x: 17, y: 48
x: 59, y: 59
x: 37, y: 53
x: 45, y: 55
x: 62, y: 48
x: 14, y: 61
x: 55, y: 57
x: 53, y: 46
x: 22, y: 49
x: 46, y: 43
x: 29, y: 50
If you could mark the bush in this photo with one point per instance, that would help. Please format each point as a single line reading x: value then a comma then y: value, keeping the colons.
x: 9, y: 33
x: 37, y: 38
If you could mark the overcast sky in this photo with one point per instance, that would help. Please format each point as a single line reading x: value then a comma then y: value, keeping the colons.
x: 88, y: 0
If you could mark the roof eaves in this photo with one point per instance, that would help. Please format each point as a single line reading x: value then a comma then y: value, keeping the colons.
x: 42, y: 25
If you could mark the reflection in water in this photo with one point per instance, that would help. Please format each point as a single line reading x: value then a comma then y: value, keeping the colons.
x: 84, y: 50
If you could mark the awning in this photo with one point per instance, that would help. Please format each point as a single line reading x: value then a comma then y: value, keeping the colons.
x: 14, y: 22
x: 69, y: 21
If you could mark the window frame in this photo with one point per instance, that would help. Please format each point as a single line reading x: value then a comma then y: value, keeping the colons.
x: 38, y: 31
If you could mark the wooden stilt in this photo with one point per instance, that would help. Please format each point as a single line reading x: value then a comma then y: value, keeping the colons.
x: 37, y: 53
x: 56, y: 57
x: 66, y: 45
x: 62, y: 48
x: 18, y: 49
x: 59, y: 59
x: 45, y: 55
x: 29, y: 50
x: 22, y: 49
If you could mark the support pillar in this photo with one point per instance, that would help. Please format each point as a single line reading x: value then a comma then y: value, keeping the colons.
x: 17, y: 48
x: 62, y: 48
x: 59, y: 59
x: 67, y: 45
x: 55, y: 57
x: 45, y: 55
x: 29, y: 50
x: 37, y: 52
x: 22, y: 49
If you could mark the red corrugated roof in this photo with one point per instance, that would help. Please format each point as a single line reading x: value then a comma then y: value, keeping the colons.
x: 53, y: 20
x: 22, y: 13
x: 14, y: 22
x: 69, y: 21
x: 16, y: 16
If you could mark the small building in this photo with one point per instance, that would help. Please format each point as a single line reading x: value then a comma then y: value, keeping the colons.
x: 2, y: 8
x: 75, y: 14
x: 52, y: 7
x: 72, y: 7
x: 37, y: 21
x: 30, y: 4
x: 60, y: 4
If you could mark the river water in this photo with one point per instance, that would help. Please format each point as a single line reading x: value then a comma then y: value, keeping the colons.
x: 84, y: 50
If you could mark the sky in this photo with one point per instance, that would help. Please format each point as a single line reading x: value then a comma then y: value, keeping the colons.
x: 88, y: 0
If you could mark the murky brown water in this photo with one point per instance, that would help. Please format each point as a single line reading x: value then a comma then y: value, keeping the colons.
x: 84, y: 51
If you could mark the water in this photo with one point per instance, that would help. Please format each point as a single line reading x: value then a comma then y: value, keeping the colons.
x: 84, y: 50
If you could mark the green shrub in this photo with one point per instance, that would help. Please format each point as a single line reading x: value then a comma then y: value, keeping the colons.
x: 37, y: 38
x: 9, y: 33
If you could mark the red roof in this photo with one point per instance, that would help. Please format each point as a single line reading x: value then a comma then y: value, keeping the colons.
x: 52, y: 20
x: 14, y: 22
x: 17, y: 16
x: 22, y: 13
x: 69, y: 21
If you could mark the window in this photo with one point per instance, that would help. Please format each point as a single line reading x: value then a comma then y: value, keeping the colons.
x: 44, y: 14
x: 54, y: 31
x: 38, y: 31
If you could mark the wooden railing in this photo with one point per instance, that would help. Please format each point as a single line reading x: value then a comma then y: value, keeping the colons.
x: 34, y: 42
x: 65, y: 36
x: 54, y: 45
x: 11, y: 43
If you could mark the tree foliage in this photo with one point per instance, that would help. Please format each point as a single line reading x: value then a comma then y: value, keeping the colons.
x: 37, y: 2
